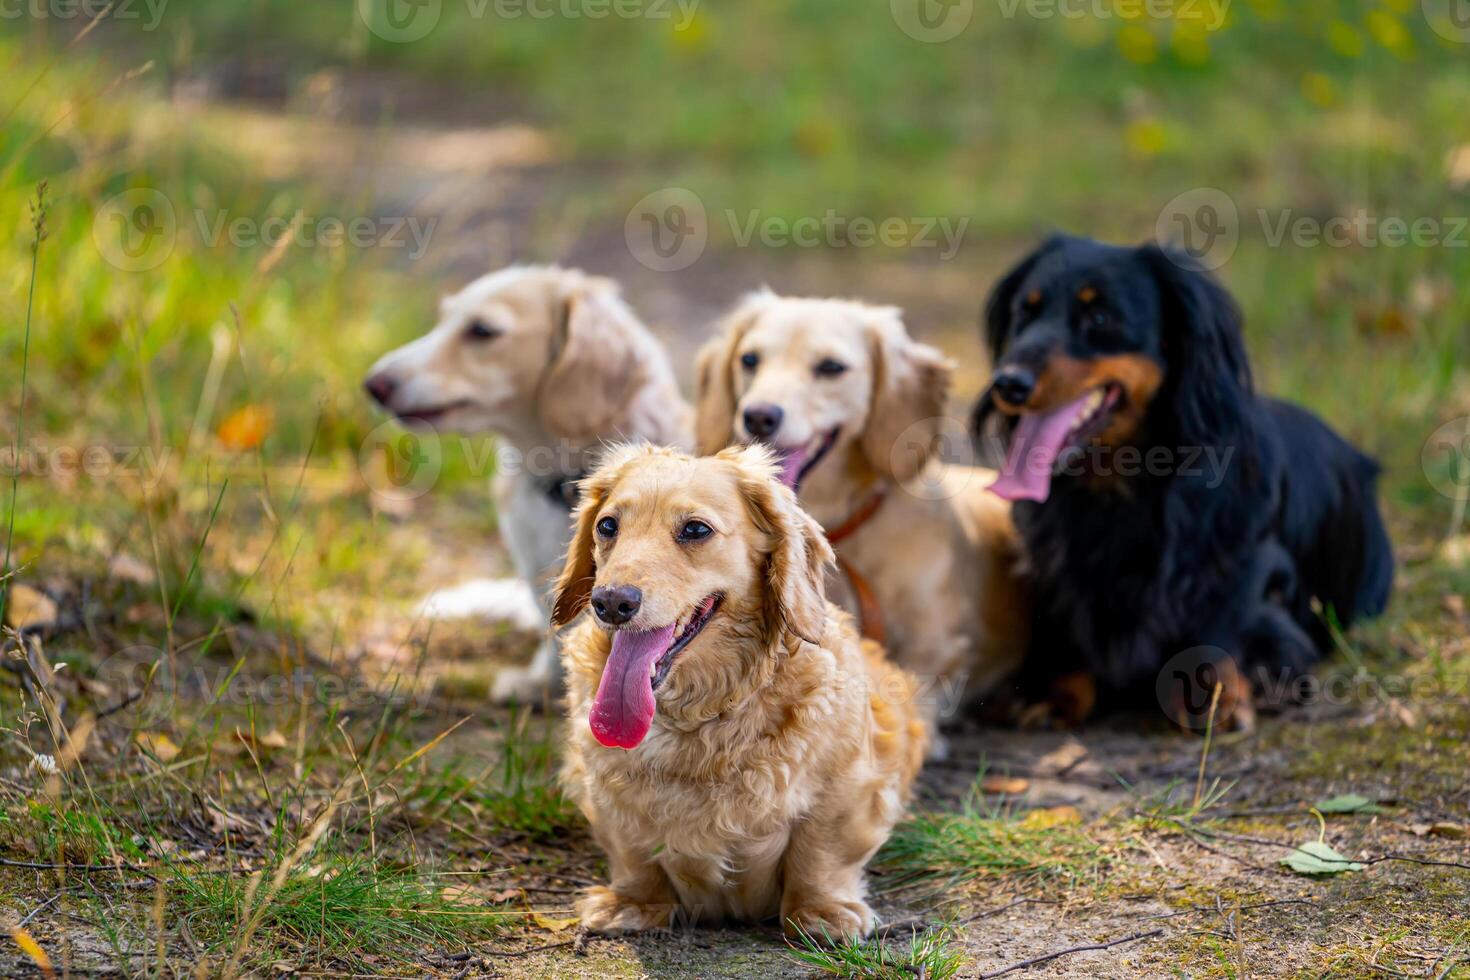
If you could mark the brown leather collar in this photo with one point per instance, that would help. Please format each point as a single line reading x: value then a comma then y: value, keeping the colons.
x: 870, y: 614
x: 858, y: 517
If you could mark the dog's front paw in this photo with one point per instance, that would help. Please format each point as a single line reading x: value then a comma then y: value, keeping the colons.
x: 832, y: 921
x: 603, y: 910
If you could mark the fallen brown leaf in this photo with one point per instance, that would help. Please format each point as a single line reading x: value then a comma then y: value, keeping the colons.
x: 28, y: 608
x: 1011, y: 785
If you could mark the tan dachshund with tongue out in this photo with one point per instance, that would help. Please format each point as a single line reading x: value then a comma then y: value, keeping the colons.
x: 738, y: 750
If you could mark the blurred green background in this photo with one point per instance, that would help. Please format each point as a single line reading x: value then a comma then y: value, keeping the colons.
x: 529, y: 131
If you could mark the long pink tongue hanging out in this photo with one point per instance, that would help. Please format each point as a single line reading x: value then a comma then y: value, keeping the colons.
x: 1035, y: 446
x: 622, y: 711
x: 791, y: 463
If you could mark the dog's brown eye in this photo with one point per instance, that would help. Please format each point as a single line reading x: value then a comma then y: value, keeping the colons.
x: 480, y: 330
x: 608, y: 527
x: 695, y: 531
x: 750, y: 360
x: 829, y: 368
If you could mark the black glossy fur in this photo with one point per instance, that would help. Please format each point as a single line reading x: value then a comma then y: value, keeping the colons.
x: 1132, y: 570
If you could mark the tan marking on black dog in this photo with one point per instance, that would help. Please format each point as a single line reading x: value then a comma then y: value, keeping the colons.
x: 1067, y: 379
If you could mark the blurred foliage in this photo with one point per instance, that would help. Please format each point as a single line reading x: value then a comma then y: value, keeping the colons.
x: 1038, y: 112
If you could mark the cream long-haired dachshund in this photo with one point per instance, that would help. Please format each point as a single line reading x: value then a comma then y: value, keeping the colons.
x: 853, y: 406
x: 557, y: 365
x: 738, y: 750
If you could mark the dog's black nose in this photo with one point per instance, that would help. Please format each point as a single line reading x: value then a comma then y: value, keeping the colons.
x: 1014, y: 385
x: 380, y: 387
x: 763, y: 420
x: 616, y: 605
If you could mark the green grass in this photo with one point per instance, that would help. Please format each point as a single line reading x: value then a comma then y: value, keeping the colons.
x: 987, y: 840
x: 514, y: 791
x: 930, y: 954
x: 346, y: 909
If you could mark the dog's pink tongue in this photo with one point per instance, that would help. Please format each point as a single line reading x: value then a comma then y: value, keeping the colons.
x: 791, y: 462
x: 1035, y: 446
x: 622, y: 711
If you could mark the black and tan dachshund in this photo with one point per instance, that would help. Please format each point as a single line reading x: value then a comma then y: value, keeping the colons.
x: 1183, y: 530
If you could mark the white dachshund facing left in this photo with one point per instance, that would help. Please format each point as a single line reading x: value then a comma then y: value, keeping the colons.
x: 557, y: 365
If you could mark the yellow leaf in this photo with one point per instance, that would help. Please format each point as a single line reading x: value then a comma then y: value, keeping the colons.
x: 1054, y: 816
x: 551, y: 924
x: 692, y: 33
x: 1138, y: 45
x: 1388, y: 31
x: 1318, y: 89
x: 1146, y: 138
x: 32, y: 949
x: 160, y: 745
x: 245, y: 428
x: 1345, y: 39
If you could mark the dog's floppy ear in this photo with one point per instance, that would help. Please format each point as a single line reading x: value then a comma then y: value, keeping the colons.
x: 714, y: 403
x: 910, y: 388
x: 574, y: 585
x: 795, y: 600
x: 997, y: 318
x: 1208, y: 376
x: 594, y: 362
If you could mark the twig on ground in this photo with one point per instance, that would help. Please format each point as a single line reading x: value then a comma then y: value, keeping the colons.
x: 1038, y: 960
x: 81, y: 868
x: 987, y: 913
x: 1196, y: 832
x: 1195, y: 910
x: 528, y: 952
x: 37, y: 911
